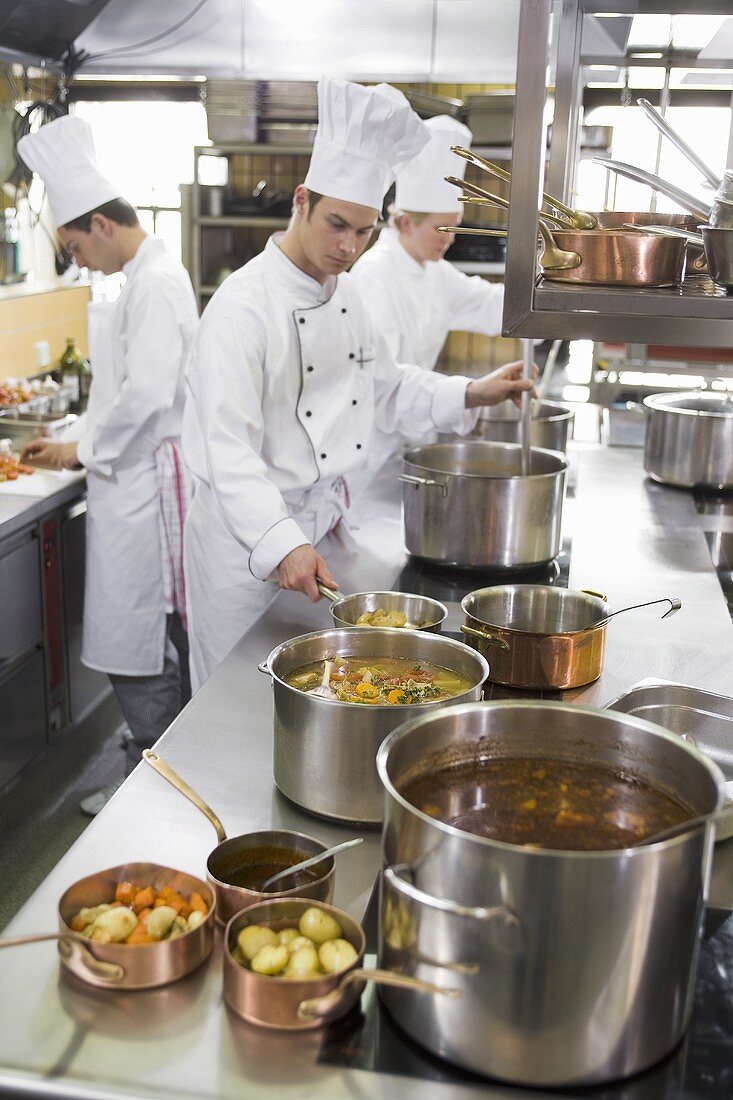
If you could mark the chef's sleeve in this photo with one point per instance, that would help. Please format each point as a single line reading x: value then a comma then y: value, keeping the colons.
x: 474, y: 305
x: 417, y: 402
x: 226, y: 381
x: 153, y: 362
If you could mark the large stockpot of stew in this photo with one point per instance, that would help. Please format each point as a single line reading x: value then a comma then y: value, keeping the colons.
x: 325, y: 748
x: 468, y: 504
x: 576, y: 966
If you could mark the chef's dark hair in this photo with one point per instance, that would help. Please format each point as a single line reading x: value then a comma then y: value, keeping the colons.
x: 313, y: 199
x: 117, y: 210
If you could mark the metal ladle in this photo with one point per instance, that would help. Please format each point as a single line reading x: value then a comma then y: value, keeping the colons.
x: 578, y: 219
x: 686, y: 826
x: 674, y: 605
x: 310, y: 862
x: 551, y: 258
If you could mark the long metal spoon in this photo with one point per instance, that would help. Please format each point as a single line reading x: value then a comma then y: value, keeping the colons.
x: 668, y: 231
x: 497, y: 201
x: 552, y: 258
x: 681, y: 827
x: 578, y: 219
x: 664, y: 128
x: 676, y: 194
x: 674, y: 605
x: 311, y: 861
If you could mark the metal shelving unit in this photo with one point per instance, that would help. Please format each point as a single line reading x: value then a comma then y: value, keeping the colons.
x: 697, y: 313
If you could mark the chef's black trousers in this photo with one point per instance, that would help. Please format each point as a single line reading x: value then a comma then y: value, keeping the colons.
x: 150, y: 703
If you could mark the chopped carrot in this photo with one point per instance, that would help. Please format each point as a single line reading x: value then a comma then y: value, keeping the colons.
x: 77, y: 923
x: 143, y: 916
x: 139, y: 935
x: 197, y: 902
x: 143, y: 899
x: 125, y: 892
x: 11, y: 475
x: 186, y: 909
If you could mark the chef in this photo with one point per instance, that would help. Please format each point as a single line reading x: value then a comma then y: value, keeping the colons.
x: 129, y: 438
x: 289, y: 374
x: 416, y: 296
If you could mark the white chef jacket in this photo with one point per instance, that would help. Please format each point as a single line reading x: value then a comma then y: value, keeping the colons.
x: 135, y: 402
x: 417, y: 305
x: 287, y: 378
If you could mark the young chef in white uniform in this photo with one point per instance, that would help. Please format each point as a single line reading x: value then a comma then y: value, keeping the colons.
x: 289, y: 374
x: 129, y: 435
x: 417, y: 297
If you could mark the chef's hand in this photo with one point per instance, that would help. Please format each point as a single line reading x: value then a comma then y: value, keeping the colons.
x: 52, y: 456
x: 301, y: 569
x: 506, y: 382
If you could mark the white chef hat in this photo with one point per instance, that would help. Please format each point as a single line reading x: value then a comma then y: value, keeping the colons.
x: 365, y: 136
x: 420, y: 184
x: 63, y: 155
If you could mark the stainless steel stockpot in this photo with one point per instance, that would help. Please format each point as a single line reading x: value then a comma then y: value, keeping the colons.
x: 325, y: 750
x: 552, y: 425
x: 467, y: 504
x: 576, y: 967
x: 689, y: 439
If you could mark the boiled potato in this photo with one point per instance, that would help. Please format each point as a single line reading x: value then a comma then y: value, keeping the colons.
x: 304, y: 961
x: 161, y: 921
x: 253, y: 938
x: 318, y: 925
x: 114, y: 925
x: 335, y: 955
x: 270, y: 959
x: 178, y: 928
x: 365, y: 619
x: 195, y: 918
x: 287, y: 936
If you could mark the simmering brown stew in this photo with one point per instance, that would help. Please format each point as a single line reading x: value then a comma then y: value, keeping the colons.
x: 261, y: 863
x: 543, y: 803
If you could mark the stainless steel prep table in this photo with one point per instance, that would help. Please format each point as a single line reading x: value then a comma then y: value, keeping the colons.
x: 631, y: 538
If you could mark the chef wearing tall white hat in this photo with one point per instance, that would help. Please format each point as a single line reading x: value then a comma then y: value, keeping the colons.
x: 129, y: 436
x: 289, y: 374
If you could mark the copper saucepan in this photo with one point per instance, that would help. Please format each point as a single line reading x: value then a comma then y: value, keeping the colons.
x: 306, y: 1003
x: 234, y: 854
x: 121, y: 965
x: 538, y: 636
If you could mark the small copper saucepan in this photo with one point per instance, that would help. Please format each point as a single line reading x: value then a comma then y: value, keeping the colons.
x: 122, y: 965
x: 302, y: 1004
x: 238, y: 862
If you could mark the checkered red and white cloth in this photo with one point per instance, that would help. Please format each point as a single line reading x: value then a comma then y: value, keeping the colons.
x: 173, y: 497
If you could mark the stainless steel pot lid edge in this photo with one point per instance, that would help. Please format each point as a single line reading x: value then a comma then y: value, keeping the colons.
x: 572, y: 708
x: 667, y: 402
x: 537, y: 587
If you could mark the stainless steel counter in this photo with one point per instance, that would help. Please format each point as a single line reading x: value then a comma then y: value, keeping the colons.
x: 631, y: 539
x: 17, y: 511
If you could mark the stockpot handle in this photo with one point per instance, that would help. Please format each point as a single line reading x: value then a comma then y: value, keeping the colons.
x: 473, y: 912
x: 264, y: 667
x: 413, y: 480
x: 484, y: 636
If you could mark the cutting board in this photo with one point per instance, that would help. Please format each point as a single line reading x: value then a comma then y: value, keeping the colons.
x: 42, y: 483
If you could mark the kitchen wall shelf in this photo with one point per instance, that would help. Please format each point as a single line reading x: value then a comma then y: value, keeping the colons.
x: 696, y: 313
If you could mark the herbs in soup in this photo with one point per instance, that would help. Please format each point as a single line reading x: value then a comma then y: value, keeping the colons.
x: 395, y: 681
x: 541, y: 803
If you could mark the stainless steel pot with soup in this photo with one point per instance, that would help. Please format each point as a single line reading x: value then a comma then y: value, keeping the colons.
x: 338, y: 693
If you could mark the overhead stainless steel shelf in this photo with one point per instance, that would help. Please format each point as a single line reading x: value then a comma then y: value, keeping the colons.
x: 696, y: 313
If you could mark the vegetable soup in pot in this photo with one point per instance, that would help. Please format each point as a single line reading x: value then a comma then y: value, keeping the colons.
x: 545, y: 803
x: 393, y: 681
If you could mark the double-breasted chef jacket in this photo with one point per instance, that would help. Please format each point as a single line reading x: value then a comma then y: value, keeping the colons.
x: 286, y: 381
x: 417, y: 304
x: 136, y: 401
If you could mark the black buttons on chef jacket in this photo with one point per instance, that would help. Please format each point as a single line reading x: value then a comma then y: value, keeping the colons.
x: 309, y: 369
x: 351, y: 355
x: 343, y: 309
x: 308, y: 413
x: 354, y: 401
x: 323, y: 454
x: 358, y: 446
x: 301, y: 320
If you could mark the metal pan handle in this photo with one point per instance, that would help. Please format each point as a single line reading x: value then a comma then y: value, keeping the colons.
x: 70, y: 942
x: 485, y: 637
x: 315, y: 1007
x: 159, y: 765
x: 411, y: 479
x: 329, y: 593
x: 664, y: 128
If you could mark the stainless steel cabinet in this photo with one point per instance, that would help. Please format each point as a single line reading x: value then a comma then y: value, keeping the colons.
x: 21, y: 615
x: 22, y: 716
x: 85, y: 686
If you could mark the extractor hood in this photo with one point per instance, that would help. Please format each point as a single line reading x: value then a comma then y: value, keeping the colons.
x: 43, y: 29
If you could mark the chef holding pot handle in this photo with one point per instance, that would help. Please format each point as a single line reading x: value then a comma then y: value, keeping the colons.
x: 134, y: 597
x: 416, y: 297
x: 289, y: 374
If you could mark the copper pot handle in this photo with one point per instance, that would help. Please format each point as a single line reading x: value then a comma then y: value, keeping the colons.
x: 485, y: 637
x: 592, y: 592
x: 159, y: 765
x: 323, y: 1006
x: 72, y: 941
